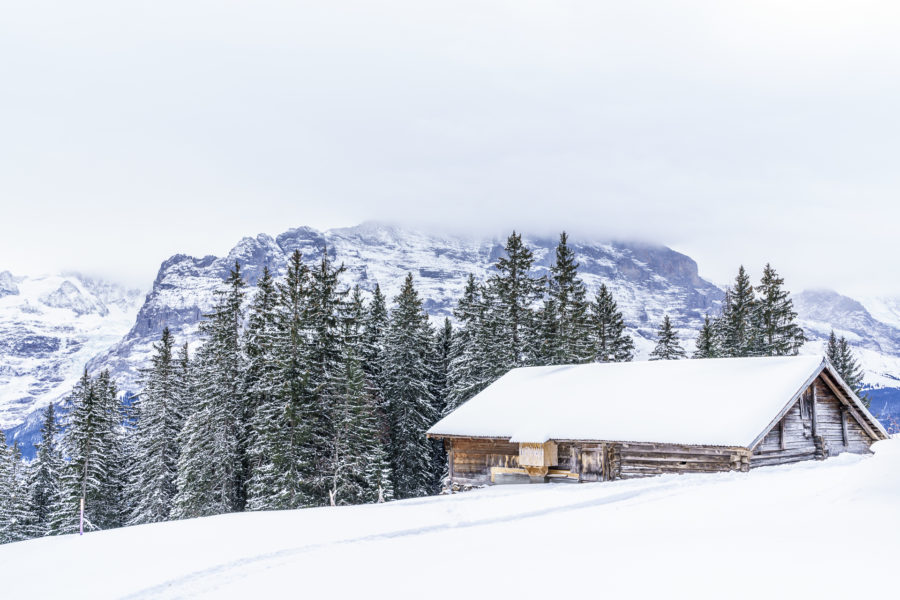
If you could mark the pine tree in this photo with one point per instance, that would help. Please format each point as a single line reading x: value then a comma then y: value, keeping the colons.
x: 778, y: 334
x: 282, y: 452
x: 441, y: 357
x: 325, y: 363
x: 842, y: 358
x: 707, y: 341
x: 361, y: 469
x: 408, y: 394
x: 564, y: 318
x: 93, y: 448
x: 45, y: 475
x: 667, y: 345
x: 375, y: 325
x: 209, y: 473
x: 514, y: 291
x: 261, y: 381
x: 608, y: 339
x: 185, y: 382
x: 14, y: 510
x: 470, y: 368
x: 739, y: 332
x: 156, y: 449
x: 119, y: 465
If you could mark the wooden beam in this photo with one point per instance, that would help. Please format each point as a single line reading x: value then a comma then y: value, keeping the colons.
x: 844, y: 424
x: 781, y: 433
x: 815, y: 420
x: 451, y: 458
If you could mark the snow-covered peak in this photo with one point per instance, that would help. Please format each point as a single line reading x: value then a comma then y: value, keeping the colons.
x: 50, y: 326
x: 8, y: 285
x: 69, y: 295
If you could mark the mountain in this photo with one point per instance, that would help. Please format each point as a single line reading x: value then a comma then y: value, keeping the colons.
x: 50, y: 326
x: 647, y: 280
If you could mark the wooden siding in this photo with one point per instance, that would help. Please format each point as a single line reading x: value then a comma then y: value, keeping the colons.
x: 471, y: 459
x: 812, y: 428
x: 833, y: 418
x: 642, y: 460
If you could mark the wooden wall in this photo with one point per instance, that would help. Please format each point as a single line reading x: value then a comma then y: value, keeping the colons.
x: 471, y: 459
x: 642, y: 460
x: 807, y: 432
x: 832, y: 419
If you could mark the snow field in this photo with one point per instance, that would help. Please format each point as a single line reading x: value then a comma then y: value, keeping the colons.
x: 815, y: 529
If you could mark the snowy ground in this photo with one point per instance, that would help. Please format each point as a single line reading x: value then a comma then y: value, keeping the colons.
x: 817, y: 529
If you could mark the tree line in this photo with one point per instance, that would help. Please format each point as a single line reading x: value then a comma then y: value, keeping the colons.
x: 310, y: 395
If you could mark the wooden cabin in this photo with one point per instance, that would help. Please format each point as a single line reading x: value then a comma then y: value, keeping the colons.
x: 602, y: 422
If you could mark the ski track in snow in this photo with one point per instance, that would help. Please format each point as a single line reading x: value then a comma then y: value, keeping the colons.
x: 225, y: 573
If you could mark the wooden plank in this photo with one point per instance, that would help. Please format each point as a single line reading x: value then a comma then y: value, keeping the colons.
x: 853, y: 413
x: 663, y: 457
x: 674, y: 467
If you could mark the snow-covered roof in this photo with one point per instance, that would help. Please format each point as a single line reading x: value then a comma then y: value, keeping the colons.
x: 719, y: 402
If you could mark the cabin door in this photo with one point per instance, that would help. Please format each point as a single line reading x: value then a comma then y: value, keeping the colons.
x: 592, y: 463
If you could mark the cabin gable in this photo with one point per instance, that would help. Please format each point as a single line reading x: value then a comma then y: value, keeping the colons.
x: 820, y: 422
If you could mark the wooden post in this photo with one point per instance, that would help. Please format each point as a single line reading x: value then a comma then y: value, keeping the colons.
x: 450, y: 458
x: 844, y: 424
x: 815, y: 422
x: 781, y: 432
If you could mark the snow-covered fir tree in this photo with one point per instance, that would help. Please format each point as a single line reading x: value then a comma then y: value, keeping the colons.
x: 706, y: 345
x: 45, y: 475
x: 667, y: 344
x: 842, y: 358
x: 93, y: 448
x: 514, y: 291
x: 608, y: 340
x: 282, y: 452
x: 441, y: 355
x: 325, y: 306
x: 777, y: 332
x: 261, y: 381
x: 375, y: 325
x: 15, y: 517
x: 408, y: 394
x: 209, y: 478
x: 738, y: 330
x: 469, y: 369
x: 565, y: 328
x: 186, y: 381
x: 361, y: 469
x: 152, y: 484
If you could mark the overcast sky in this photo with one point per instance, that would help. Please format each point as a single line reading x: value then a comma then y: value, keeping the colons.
x: 736, y: 132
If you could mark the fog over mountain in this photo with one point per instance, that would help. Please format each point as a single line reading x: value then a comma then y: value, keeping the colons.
x: 738, y: 132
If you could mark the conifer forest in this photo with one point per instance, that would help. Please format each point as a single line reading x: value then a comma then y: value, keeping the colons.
x: 306, y: 393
